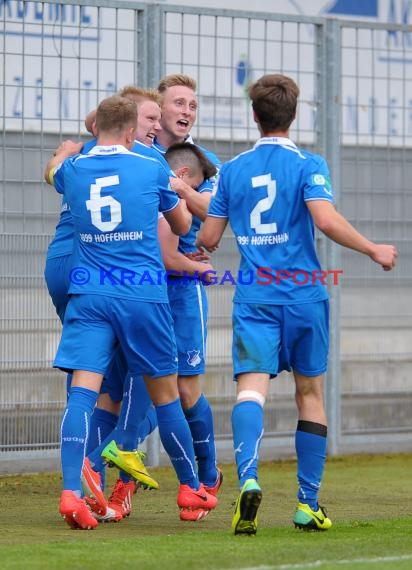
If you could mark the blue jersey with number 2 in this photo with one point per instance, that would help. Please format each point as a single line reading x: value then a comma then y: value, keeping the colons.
x: 263, y: 192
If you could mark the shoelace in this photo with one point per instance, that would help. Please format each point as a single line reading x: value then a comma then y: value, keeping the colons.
x: 140, y: 454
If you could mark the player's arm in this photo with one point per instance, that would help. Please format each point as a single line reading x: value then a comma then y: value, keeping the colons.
x: 64, y: 150
x: 173, y: 259
x: 337, y: 228
x: 179, y: 219
x: 211, y: 233
x: 197, y: 202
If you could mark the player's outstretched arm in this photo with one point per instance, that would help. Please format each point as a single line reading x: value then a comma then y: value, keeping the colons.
x: 211, y: 233
x: 197, y: 202
x: 64, y: 150
x: 180, y: 219
x: 337, y: 228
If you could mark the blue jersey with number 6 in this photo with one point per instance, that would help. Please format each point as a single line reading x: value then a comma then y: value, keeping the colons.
x: 263, y: 192
x: 114, y: 197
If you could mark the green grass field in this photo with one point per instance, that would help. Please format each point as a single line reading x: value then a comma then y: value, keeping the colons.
x: 367, y: 497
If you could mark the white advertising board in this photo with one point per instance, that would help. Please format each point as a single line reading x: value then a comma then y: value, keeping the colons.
x: 60, y: 60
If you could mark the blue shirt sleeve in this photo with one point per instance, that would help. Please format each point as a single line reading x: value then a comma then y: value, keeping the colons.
x: 58, y: 177
x: 317, y: 184
x: 219, y: 204
x: 168, y: 197
x: 209, y: 184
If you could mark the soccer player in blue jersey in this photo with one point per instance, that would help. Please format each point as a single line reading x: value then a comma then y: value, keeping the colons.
x: 117, y: 385
x: 273, y: 196
x: 187, y: 297
x: 191, y: 167
x: 114, y: 197
x: 120, y: 391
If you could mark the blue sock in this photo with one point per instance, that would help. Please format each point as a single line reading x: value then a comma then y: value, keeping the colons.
x: 247, y: 427
x: 95, y: 457
x: 74, y: 435
x: 148, y: 425
x: 200, y: 421
x: 144, y: 429
x: 311, y: 444
x: 135, y: 407
x: 102, y: 423
x: 177, y: 441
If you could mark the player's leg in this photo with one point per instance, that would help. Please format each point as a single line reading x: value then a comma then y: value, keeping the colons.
x: 156, y: 353
x: 123, y: 436
x: 106, y: 412
x: 311, y: 447
x: 102, y: 423
x: 74, y: 435
x: 193, y: 500
x: 80, y: 332
x: 247, y: 428
x: 306, y: 338
x: 256, y: 339
x: 188, y: 304
x: 57, y: 277
x: 135, y: 422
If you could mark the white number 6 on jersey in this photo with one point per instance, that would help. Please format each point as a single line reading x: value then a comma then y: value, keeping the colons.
x: 97, y: 202
x: 263, y: 205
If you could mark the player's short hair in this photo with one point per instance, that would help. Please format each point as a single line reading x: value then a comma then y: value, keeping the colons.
x: 274, y: 101
x: 187, y: 154
x: 139, y: 94
x: 175, y: 80
x: 115, y: 113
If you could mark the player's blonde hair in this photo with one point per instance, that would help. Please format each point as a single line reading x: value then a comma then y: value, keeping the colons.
x: 176, y: 80
x: 139, y: 94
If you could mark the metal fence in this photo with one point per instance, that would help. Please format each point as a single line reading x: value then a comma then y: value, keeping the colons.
x: 60, y: 60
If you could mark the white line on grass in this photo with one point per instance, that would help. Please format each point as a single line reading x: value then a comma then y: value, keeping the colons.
x: 320, y: 563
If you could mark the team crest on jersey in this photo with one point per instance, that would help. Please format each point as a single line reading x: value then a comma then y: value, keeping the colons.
x: 193, y: 357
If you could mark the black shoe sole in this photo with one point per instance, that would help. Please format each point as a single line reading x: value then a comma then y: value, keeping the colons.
x: 310, y: 527
x: 249, y: 505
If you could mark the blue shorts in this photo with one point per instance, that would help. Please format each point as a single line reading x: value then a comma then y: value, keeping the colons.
x: 188, y: 303
x: 94, y: 325
x: 272, y: 338
x: 57, y: 276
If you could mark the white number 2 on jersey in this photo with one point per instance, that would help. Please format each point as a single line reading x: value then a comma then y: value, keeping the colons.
x: 263, y: 205
x: 97, y: 202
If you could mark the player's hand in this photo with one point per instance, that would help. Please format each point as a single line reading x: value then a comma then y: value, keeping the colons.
x: 68, y: 148
x: 209, y: 249
x: 180, y: 187
x: 207, y: 277
x: 385, y: 255
x: 199, y: 255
